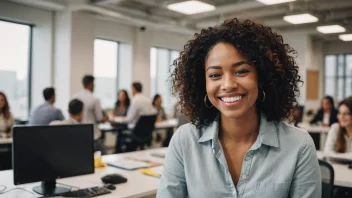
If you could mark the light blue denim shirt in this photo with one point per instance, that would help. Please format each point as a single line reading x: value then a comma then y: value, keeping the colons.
x: 281, y: 163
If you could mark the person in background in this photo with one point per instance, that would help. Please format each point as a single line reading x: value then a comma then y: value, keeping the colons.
x: 237, y: 82
x: 92, y: 111
x: 121, y: 109
x: 6, y: 117
x: 46, y: 113
x: 75, y: 110
x: 122, y: 104
x: 157, y: 101
x: 327, y: 114
x: 339, y: 140
x: 140, y: 105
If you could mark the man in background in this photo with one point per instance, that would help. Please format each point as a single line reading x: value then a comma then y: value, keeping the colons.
x: 46, y: 113
x: 140, y: 105
x: 75, y: 110
x: 92, y: 111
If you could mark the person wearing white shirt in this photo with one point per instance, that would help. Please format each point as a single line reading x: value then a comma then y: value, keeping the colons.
x: 339, y: 140
x: 75, y: 110
x: 92, y: 112
x: 140, y: 105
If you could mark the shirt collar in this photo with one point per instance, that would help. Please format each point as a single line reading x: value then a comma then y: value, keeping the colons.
x: 267, y: 133
x: 74, y: 121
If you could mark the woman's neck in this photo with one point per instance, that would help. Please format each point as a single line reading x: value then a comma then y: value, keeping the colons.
x: 244, y: 129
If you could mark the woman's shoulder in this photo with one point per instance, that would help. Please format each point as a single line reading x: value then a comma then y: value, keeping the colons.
x: 188, y: 131
x: 293, y: 135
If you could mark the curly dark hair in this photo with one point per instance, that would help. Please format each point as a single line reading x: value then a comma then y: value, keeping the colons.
x: 273, y: 59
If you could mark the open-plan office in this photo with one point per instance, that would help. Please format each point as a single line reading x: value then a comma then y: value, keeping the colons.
x: 51, y: 52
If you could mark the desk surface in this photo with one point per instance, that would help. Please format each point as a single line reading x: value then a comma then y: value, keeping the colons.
x: 5, y: 140
x: 313, y: 128
x: 138, y: 185
x: 171, y: 123
x: 343, y: 175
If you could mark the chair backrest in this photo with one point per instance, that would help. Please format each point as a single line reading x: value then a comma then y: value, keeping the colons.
x: 144, y: 128
x: 327, y: 179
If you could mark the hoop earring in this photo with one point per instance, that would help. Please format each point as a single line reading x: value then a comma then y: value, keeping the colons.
x: 205, y: 102
x: 263, y: 95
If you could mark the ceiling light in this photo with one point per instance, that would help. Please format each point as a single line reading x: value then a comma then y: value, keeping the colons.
x: 191, y: 7
x: 345, y: 37
x: 301, y: 18
x: 331, y: 29
x: 272, y: 2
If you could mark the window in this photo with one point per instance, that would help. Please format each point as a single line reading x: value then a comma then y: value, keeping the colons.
x: 160, y: 67
x: 110, y: 71
x: 338, y: 76
x: 15, y: 67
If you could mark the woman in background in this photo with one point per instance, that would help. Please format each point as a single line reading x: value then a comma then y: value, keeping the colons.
x: 157, y: 101
x: 339, y: 140
x: 121, y: 109
x: 122, y: 104
x: 327, y: 114
x: 6, y: 118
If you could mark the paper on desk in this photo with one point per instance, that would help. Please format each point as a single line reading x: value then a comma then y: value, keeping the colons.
x: 128, y: 164
x: 160, y: 154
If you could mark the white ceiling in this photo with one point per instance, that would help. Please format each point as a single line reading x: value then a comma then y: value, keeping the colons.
x: 154, y: 13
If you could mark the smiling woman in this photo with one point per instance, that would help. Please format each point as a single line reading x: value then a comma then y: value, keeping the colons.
x: 236, y: 83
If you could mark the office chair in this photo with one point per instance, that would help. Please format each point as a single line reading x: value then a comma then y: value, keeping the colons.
x: 140, y: 136
x: 327, y: 179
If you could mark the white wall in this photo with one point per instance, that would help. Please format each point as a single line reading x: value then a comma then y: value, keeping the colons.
x: 42, y: 43
x: 141, y: 42
x: 337, y: 47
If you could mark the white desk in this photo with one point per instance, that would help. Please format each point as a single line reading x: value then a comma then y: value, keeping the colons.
x: 171, y: 123
x: 323, y: 131
x: 313, y: 128
x: 5, y: 141
x: 343, y: 175
x: 138, y: 184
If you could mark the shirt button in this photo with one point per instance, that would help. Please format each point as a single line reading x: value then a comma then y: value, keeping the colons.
x: 247, y: 158
x: 244, y: 176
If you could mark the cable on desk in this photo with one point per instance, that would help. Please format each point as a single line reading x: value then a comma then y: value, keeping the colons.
x: 17, y: 188
x: 68, y: 185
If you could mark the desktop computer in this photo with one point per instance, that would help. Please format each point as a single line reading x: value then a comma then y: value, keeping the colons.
x: 47, y: 153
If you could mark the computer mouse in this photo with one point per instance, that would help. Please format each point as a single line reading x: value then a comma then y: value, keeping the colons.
x: 113, y: 179
x: 110, y: 186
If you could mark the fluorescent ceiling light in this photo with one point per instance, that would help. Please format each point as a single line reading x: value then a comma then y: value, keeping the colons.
x: 346, y: 37
x: 272, y: 2
x: 331, y: 29
x: 191, y: 7
x: 301, y: 18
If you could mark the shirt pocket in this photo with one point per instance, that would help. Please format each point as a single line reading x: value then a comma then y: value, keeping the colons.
x: 272, y: 189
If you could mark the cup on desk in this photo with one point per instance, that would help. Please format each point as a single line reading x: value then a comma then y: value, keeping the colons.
x: 98, y: 163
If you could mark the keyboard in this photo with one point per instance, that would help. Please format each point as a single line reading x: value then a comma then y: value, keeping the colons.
x: 86, y: 192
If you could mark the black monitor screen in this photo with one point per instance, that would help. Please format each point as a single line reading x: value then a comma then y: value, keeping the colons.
x: 45, y: 153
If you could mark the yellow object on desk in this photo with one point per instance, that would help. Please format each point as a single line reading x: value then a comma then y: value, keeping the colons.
x: 149, y: 172
x: 98, y: 163
x: 154, y: 171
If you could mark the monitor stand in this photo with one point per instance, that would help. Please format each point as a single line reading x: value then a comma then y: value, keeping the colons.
x: 50, y: 188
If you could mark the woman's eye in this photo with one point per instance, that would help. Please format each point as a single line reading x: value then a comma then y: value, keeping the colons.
x: 241, y: 72
x: 214, y: 75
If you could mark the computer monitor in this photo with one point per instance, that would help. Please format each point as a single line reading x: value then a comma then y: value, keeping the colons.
x: 47, y: 153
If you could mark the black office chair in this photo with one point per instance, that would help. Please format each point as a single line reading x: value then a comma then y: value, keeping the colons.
x: 140, y: 136
x: 327, y: 179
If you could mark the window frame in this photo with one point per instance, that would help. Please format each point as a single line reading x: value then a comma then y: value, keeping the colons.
x: 30, y: 63
x: 337, y: 77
